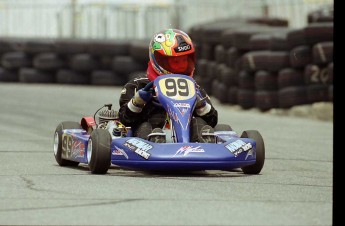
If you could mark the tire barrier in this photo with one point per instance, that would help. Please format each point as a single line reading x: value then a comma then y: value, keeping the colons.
x: 33, y: 75
x: 48, y: 62
x: 71, y: 61
x: 15, y: 60
x: 68, y: 76
x: 253, y: 62
x: 8, y: 75
x: 265, y: 64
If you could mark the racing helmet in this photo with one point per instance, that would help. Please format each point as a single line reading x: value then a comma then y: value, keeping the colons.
x: 171, y: 51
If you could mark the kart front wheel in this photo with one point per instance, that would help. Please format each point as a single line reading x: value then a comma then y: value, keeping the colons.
x: 260, y: 152
x: 58, y: 142
x: 98, y: 151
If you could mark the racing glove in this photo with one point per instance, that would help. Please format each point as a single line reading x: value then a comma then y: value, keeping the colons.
x: 140, y: 98
x: 201, y: 106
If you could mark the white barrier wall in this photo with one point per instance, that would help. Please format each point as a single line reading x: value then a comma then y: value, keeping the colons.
x: 110, y: 19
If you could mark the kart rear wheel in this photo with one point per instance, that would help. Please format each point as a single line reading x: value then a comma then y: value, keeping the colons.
x: 58, y: 142
x: 98, y: 151
x: 260, y: 152
x: 222, y: 127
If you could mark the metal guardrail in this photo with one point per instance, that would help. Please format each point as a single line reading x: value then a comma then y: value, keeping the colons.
x: 107, y: 20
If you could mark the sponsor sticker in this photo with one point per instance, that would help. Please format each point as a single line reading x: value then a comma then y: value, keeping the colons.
x: 238, y: 146
x: 72, y: 131
x: 183, y: 48
x: 138, y: 146
x: 173, y: 115
x: 119, y: 151
x: 185, y: 150
x: 249, y: 153
x: 78, y: 148
x: 182, y: 107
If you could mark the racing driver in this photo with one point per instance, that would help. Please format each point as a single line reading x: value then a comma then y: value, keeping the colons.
x: 171, y: 51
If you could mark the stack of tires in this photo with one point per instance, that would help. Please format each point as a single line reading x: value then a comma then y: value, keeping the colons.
x: 72, y: 61
x: 251, y: 64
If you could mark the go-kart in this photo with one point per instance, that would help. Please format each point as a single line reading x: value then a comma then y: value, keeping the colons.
x: 102, y: 140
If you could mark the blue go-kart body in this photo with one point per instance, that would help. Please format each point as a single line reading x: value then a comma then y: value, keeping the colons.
x: 177, y: 95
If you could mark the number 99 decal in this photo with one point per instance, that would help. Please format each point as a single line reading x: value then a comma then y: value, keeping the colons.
x: 177, y: 88
x: 67, y: 145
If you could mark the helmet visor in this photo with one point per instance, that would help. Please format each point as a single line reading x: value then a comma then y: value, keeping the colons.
x: 177, y: 64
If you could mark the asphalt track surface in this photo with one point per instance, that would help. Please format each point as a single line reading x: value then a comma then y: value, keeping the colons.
x: 294, y: 188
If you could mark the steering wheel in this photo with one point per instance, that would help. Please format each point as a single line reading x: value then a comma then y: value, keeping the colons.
x: 154, y: 100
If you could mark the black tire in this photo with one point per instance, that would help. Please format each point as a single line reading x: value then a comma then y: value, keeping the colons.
x: 246, y: 98
x: 106, y: 78
x: 221, y: 91
x: 330, y: 93
x: 279, y: 41
x: 219, y: 54
x: 300, y: 56
x: 124, y: 65
x: 317, y: 74
x: 292, y: 96
x: 330, y: 72
x: 260, y: 152
x: 265, y: 80
x: 256, y: 60
x: 100, y: 156
x: 241, y: 36
x: 100, y: 47
x: 8, y: 75
x: 214, y: 89
x: 211, y: 71
x: 296, y: 37
x: 207, y: 51
x: 222, y: 127
x: 33, y: 75
x: 48, y: 61
x: 246, y: 80
x: 278, y: 60
x: 319, y: 32
x: 322, y: 53
x: 260, y: 41
x: 67, y: 46
x: 232, y: 55
x: 318, y: 93
x: 10, y: 44
x: 67, y: 76
x: 265, y: 100
x: 232, y: 95
x: 15, y: 60
x: 290, y: 77
x: 58, y: 142
x: 228, y: 77
x: 38, y: 45
x: 84, y: 62
x: 201, y: 68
